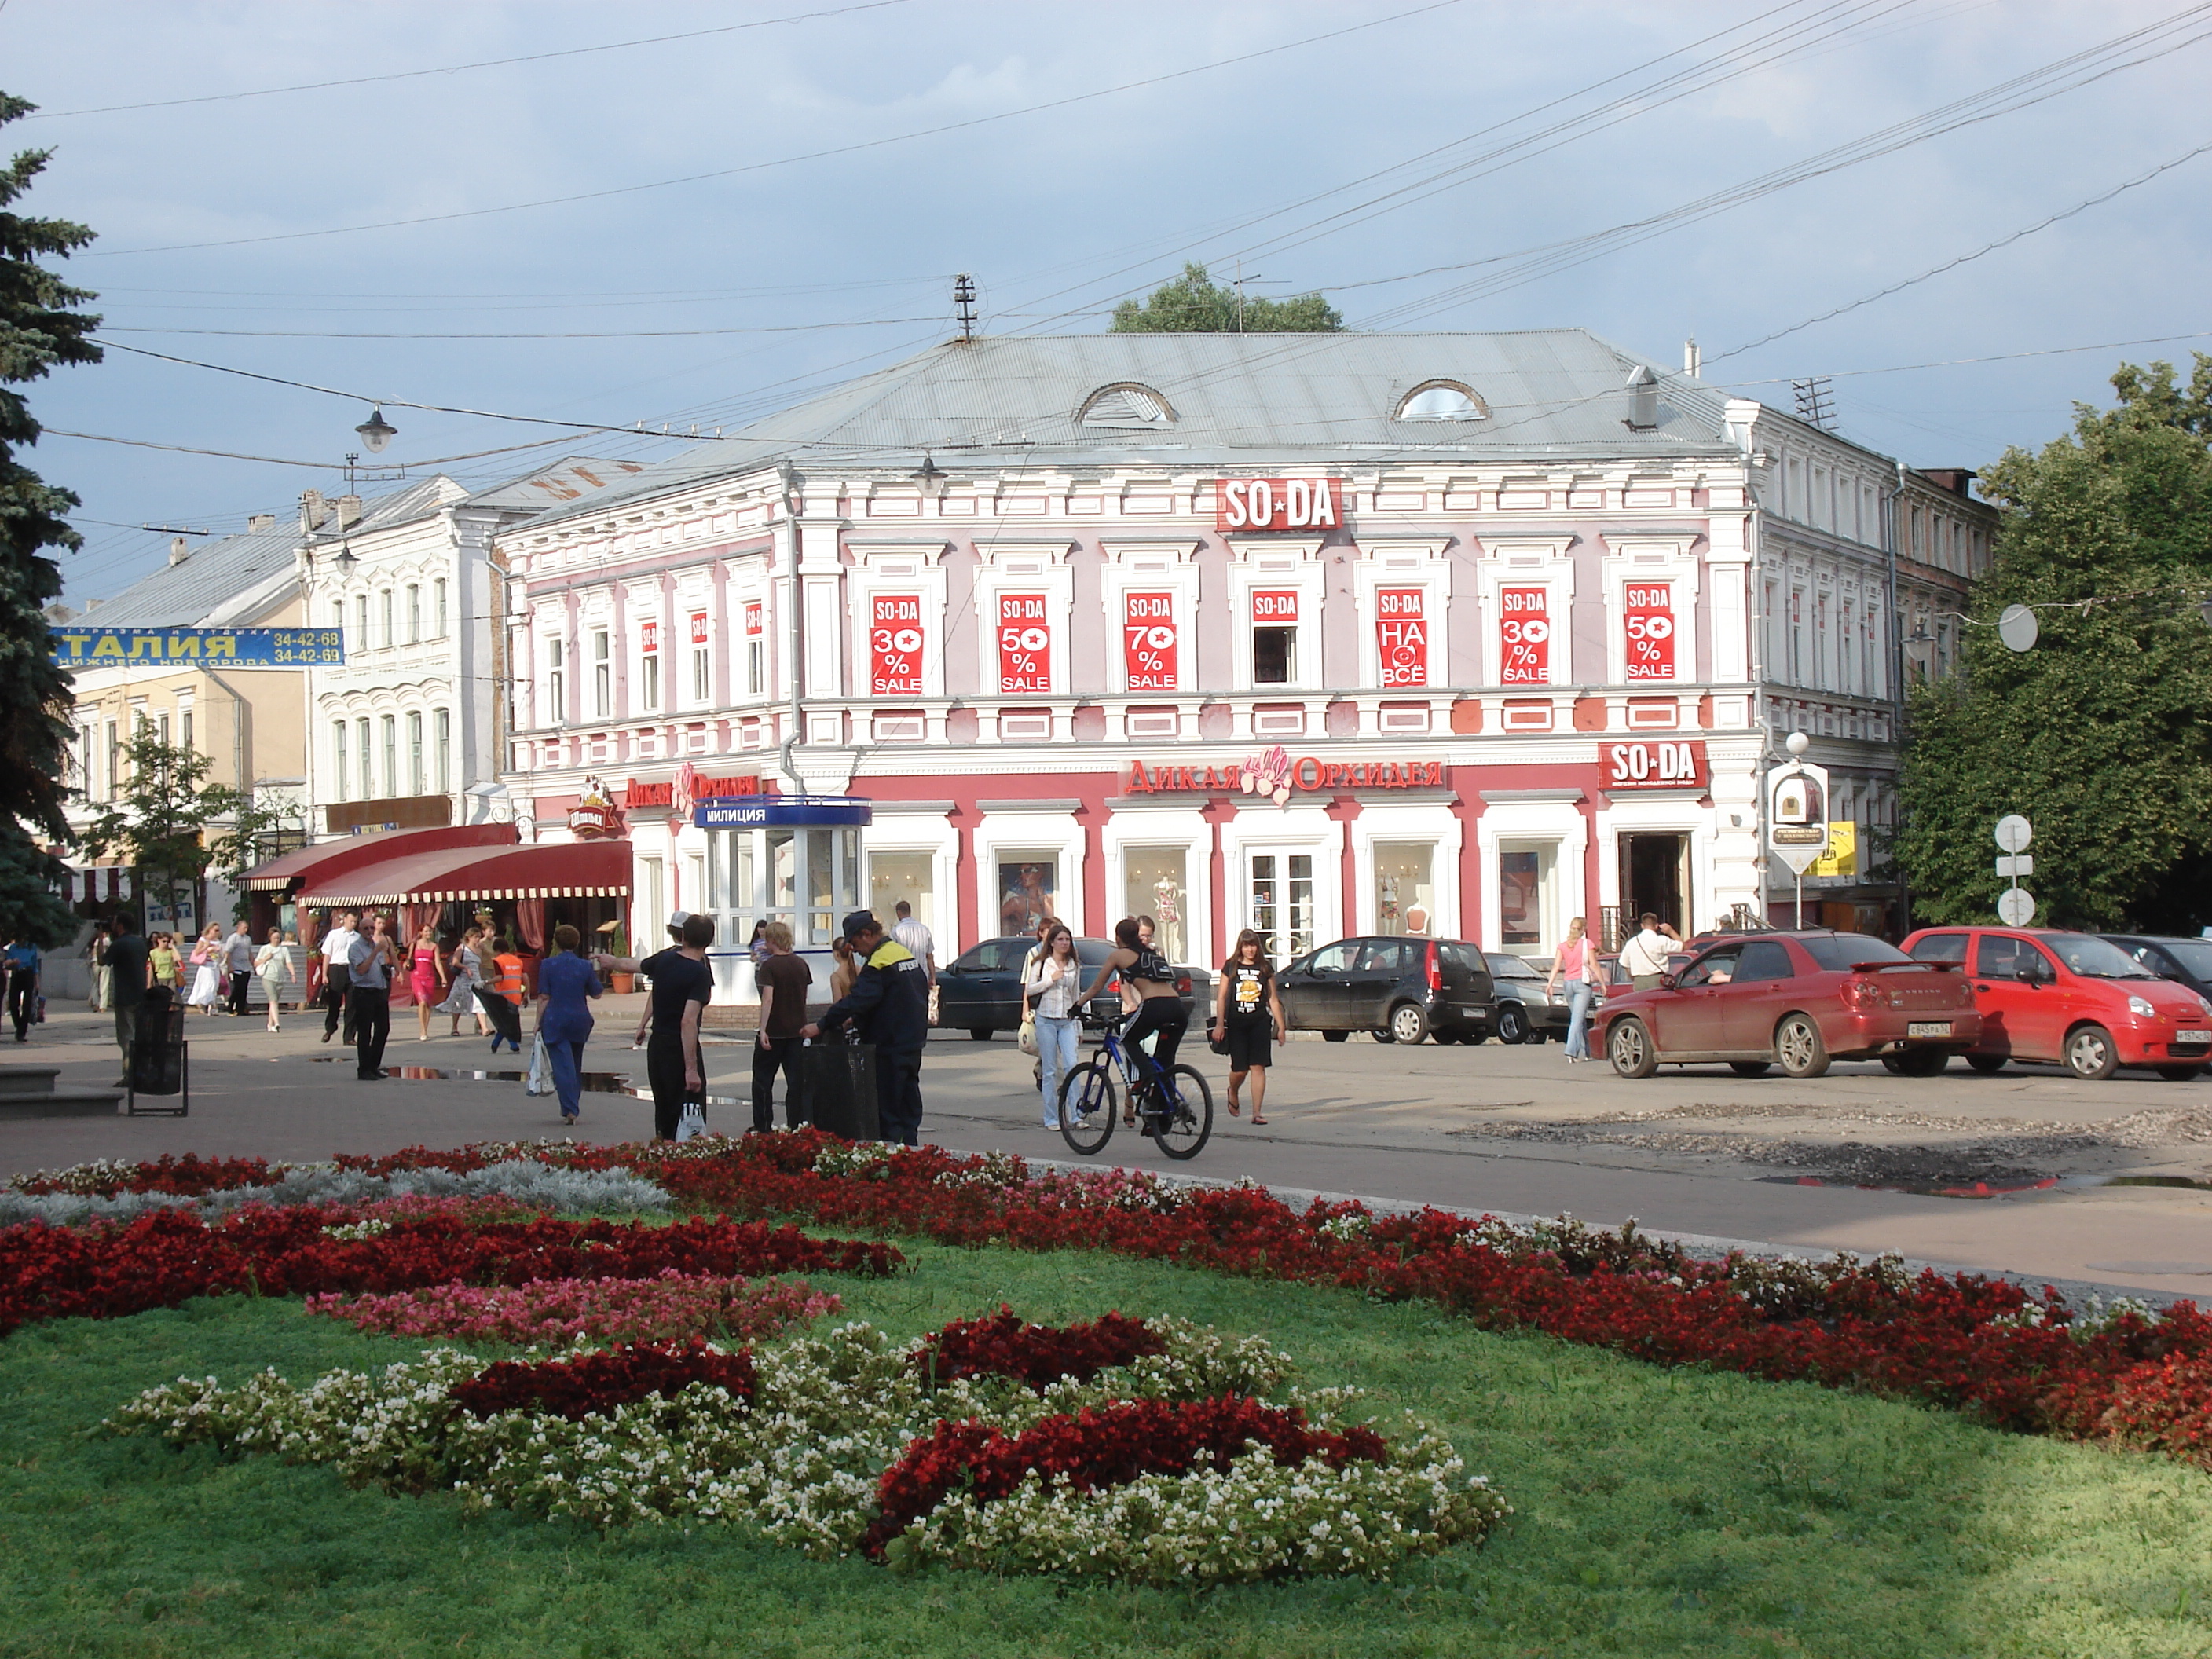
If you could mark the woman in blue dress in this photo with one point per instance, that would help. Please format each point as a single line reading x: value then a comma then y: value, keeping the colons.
x: 566, y: 983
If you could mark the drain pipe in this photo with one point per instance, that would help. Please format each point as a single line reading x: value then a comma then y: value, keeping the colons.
x: 1892, y: 534
x: 795, y: 646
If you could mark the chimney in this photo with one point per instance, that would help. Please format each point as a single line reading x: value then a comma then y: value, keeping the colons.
x: 1693, y: 361
x: 1952, y: 478
x: 312, y: 511
x: 262, y: 521
x: 1642, y: 387
x: 349, y: 511
x: 179, y: 549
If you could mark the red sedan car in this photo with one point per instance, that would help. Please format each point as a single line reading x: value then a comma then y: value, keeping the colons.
x: 2072, y: 998
x: 1798, y: 1001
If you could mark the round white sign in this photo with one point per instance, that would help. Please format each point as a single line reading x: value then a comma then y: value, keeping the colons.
x: 2016, y: 906
x: 2014, y: 833
x: 2018, y: 628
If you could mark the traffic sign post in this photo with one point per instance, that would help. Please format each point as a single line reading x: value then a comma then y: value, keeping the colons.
x: 1797, y: 814
x: 2016, y: 905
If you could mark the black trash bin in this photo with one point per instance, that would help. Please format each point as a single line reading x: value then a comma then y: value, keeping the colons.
x: 158, y: 1066
x: 838, y: 1091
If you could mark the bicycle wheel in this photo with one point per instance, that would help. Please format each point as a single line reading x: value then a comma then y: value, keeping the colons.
x: 1187, y: 1122
x: 1087, y: 1108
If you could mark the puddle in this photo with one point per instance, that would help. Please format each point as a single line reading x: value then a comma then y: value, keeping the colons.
x: 1960, y: 1190
x: 2183, y: 1181
x: 595, y: 1082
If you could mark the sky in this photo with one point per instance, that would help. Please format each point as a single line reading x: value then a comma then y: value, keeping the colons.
x: 625, y: 228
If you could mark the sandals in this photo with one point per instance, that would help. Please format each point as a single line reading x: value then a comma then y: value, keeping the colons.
x: 1259, y: 1122
x: 1235, y: 1109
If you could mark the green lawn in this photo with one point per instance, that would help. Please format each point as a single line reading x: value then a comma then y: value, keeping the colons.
x: 1659, y: 1513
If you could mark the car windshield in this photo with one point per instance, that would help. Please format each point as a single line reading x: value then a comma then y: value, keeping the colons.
x: 2193, y: 954
x: 2095, y: 958
x: 1838, y: 951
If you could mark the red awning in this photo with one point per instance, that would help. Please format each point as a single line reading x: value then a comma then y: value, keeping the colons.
x: 582, y: 869
x: 330, y: 858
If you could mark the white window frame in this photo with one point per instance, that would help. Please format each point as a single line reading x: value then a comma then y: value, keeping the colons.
x: 1528, y: 562
x: 1275, y: 562
x: 1006, y: 831
x: 1168, y: 566
x: 1404, y: 563
x: 906, y: 566
x: 1021, y: 568
x: 1637, y: 559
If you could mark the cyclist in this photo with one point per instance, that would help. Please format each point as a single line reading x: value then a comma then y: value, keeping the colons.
x: 1160, y: 1013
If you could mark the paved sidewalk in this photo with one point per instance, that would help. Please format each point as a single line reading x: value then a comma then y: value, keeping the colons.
x: 1489, y: 1128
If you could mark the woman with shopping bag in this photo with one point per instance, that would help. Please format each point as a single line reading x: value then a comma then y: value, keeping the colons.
x: 566, y: 984
x: 1053, y: 982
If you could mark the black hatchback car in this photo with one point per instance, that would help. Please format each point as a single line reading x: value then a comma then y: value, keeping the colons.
x: 2186, y: 960
x: 981, y: 993
x: 1398, y: 990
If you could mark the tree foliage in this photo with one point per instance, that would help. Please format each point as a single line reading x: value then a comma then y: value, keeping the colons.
x: 2100, y: 734
x: 1195, y: 304
x: 159, y: 816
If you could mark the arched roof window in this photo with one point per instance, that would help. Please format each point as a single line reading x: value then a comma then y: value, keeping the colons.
x: 1440, y: 400
x: 1126, y: 403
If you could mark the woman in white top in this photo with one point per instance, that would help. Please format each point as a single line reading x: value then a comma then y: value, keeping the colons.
x: 1055, y: 980
x: 207, y: 972
x: 273, y: 962
x: 1576, y: 968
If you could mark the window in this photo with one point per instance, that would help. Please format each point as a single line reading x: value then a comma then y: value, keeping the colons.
x: 649, y: 683
x: 701, y: 671
x: 1387, y: 956
x: 443, y: 731
x: 417, y: 782
x: 1029, y: 879
x: 1765, y: 959
x: 1154, y: 883
x: 339, y: 766
x: 1941, y: 947
x: 1336, y: 959
x: 2001, y: 957
x: 1405, y: 890
x: 1714, y: 968
x: 556, y: 683
x: 185, y: 728
x: 893, y: 877
x: 384, y: 605
x: 438, y: 607
x: 414, y: 613
x: 114, y: 757
x: 360, y: 622
x: 390, y: 754
x: 1442, y: 400
x: 756, y: 666
x: 163, y: 726
x: 602, y: 673
x: 1281, y: 886
x: 1526, y: 895
x: 361, y: 754
x: 1275, y: 656
x: 1845, y: 950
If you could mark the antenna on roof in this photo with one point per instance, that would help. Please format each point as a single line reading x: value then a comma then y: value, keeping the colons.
x: 1814, y: 403
x: 963, y: 305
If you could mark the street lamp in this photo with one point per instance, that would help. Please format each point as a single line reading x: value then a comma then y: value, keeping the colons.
x: 376, y: 431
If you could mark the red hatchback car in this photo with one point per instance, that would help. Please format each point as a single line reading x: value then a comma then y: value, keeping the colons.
x: 1796, y: 1001
x: 2074, y: 999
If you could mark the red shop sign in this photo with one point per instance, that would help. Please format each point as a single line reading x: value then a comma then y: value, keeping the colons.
x: 1650, y: 624
x: 1670, y: 764
x: 1261, y: 773
x: 1524, y: 636
x: 1275, y: 605
x: 1148, y: 642
x: 752, y: 619
x: 698, y: 627
x: 1025, y: 643
x: 894, y: 639
x: 1402, y: 637
x: 648, y: 637
x: 636, y: 795
x: 1249, y: 505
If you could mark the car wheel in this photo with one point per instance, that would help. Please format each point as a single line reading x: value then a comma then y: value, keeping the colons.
x: 1628, y: 1045
x: 2181, y: 1073
x: 1798, y: 1047
x: 1408, y: 1024
x: 2090, y: 1052
x: 981, y: 1033
x: 1751, y: 1067
x: 1335, y: 1037
x: 1512, y: 1022
x: 1987, y: 1065
x: 1383, y: 1033
x: 1917, y: 1062
x: 1474, y: 1035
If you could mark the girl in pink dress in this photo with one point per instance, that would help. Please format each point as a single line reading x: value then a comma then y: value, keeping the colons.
x: 426, y: 973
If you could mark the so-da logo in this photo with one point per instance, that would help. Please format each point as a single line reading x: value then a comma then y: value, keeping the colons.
x: 1667, y: 765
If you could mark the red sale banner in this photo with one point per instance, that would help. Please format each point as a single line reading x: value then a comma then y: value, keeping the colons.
x: 1278, y: 607
x: 1025, y: 643
x: 698, y: 627
x: 895, y: 641
x: 1148, y: 636
x: 1648, y: 608
x: 648, y: 637
x: 1402, y: 637
x: 1524, y: 636
x: 752, y: 619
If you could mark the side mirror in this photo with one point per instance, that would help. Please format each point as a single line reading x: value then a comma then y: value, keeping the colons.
x: 1666, y: 981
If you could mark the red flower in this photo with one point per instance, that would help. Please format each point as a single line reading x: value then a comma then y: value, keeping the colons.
x: 600, y: 1382
x: 1000, y: 1344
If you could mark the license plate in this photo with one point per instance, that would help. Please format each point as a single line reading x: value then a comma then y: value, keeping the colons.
x: 2192, y: 1037
x: 1929, y: 1028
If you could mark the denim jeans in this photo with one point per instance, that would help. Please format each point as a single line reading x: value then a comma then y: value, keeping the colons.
x: 1056, y: 1041
x: 1580, y: 995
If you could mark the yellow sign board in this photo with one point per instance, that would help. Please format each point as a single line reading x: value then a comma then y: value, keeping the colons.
x: 1842, y: 858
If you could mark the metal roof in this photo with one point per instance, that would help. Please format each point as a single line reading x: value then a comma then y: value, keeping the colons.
x: 1235, y: 400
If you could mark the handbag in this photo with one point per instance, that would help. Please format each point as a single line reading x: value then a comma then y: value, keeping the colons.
x: 540, y: 1080
x: 1027, y: 1035
x: 693, y: 1123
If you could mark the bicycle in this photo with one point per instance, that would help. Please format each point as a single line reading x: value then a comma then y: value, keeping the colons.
x: 1180, y: 1124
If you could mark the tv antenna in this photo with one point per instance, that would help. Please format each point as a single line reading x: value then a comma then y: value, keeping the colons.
x: 1815, y: 403
x: 963, y: 303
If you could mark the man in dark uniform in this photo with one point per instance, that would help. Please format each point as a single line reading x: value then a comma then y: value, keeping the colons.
x: 889, y: 1005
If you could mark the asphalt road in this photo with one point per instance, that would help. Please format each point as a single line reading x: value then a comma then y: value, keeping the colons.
x: 1855, y: 1160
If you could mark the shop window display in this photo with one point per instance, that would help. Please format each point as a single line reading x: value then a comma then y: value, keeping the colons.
x: 1525, y: 898
x: 1405, y: 887
x: 1154, y: 884
x: 1282, y: 902
x: 909, y: 876
x: 1027, y: 881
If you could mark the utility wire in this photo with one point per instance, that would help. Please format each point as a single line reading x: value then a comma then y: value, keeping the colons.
x: 789, y: 161
x: 457, y: 68
x: 280, y: 460
x: 572, y: 334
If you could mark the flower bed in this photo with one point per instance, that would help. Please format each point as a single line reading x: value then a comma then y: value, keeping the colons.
x: 559, y: 1312
x: 2007, y: 1355
x: 161, y: 1260
x: 1195, y: 1461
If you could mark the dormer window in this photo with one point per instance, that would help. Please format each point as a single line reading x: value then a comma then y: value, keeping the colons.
x: 1127, y: 405
x: 1440, y: 400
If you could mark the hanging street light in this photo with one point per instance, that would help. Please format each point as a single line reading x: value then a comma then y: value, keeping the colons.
x: 376, y: 431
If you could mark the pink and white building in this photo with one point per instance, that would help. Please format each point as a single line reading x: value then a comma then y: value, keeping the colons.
x: 1462, y: 633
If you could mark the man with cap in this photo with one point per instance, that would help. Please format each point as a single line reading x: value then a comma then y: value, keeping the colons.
x: 888, y: 1004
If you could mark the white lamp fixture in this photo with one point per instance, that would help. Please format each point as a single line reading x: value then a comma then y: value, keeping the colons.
x: 376, y: 431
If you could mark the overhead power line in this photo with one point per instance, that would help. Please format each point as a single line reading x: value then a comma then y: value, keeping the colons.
x: 855, y: 148
x: 284, y: 460
x: 459, y: 68
x: 570, y: 334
